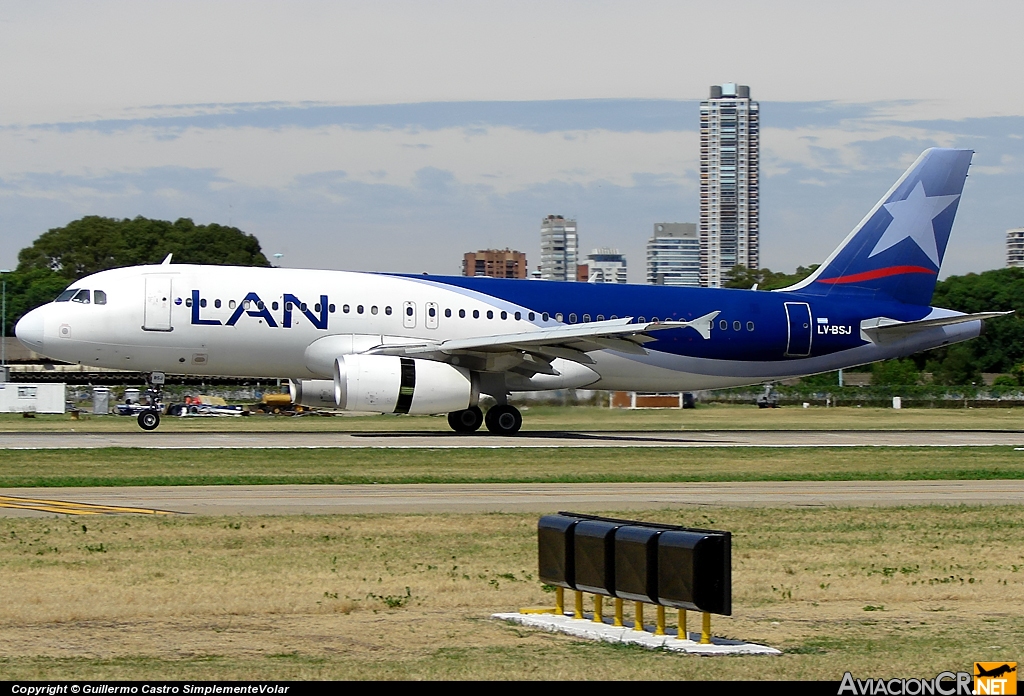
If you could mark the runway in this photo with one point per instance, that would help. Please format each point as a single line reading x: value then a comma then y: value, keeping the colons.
x: 466, y: 498
x: 443, y: 440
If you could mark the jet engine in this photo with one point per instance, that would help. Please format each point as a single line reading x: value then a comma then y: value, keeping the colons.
x: 391, y: 384
x: 317, y: 393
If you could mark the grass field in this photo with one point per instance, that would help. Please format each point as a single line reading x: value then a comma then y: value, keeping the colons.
x: 881, y: 592
x: 578, y: 418
x: 125, y: 466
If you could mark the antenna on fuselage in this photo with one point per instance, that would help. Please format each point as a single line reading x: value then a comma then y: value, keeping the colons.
x: 167, y: 260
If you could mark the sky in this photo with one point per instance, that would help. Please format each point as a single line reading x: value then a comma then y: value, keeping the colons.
x: 395, y: 136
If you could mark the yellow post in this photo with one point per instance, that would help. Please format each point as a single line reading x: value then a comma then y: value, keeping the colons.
x: 618, y: 612
x: 579, y: 606
x: 705, y: 629
x: 682, y: 635
x: 598, y: 609
x: 560, y: 601
x: 638, y: 612
x: 659, y: 626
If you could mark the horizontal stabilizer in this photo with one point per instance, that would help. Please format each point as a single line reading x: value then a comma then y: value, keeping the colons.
x: 884, y: 329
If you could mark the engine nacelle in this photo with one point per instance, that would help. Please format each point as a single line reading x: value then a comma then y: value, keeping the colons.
x: 318, y: 393
x: 390, y: 384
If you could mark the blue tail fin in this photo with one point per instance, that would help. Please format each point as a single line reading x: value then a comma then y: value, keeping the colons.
x: 896, y: 250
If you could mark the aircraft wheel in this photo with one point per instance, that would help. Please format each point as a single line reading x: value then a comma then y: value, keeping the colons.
x: 466, y: 421
x: 504, y: 419
x: 148, y: 420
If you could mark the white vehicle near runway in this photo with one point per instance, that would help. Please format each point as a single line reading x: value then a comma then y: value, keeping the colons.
x: 423, y: 344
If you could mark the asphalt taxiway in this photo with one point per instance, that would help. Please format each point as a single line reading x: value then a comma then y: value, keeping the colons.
x: 441, y: 440
x: 486, y: 497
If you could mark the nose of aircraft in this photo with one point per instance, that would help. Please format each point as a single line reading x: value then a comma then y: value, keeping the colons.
x: 29, y: 330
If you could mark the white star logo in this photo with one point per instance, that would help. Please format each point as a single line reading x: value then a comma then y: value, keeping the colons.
x: 912, y: 217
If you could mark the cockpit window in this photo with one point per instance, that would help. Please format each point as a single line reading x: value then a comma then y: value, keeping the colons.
x: 99, y: 297
x: 66, y: 295
x: 81, y: 296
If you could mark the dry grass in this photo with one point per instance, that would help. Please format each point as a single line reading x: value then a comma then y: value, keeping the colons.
x: 575, y: 418
x: 879, y: 591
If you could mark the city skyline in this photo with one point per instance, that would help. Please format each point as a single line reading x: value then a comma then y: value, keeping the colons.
x: 411, y: 150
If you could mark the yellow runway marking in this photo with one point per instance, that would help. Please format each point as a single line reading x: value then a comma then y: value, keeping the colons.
x: 65, y: 507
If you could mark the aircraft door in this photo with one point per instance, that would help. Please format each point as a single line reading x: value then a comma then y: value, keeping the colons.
x: 798, y: 316
x: 409, y: 315
x: 431, y: 319
x: 157, y: 314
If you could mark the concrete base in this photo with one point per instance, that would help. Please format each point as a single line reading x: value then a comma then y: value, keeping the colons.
x: 586, y: 628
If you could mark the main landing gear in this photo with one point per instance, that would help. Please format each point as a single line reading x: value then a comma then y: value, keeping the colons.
x: 501, y: 419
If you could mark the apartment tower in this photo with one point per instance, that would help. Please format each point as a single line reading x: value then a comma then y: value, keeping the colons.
x: 729, y: 155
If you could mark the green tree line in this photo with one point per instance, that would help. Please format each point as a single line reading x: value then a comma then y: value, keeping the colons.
x: 62, y: 255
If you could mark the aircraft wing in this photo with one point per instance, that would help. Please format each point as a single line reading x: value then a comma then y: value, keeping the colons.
x: 571, y: 342
x: 884, y: 329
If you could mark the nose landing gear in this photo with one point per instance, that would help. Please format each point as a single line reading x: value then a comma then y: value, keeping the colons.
x: 150, y: 418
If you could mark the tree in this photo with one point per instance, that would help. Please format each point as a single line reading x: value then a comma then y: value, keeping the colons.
x: 895, y: 373
x: 744, y: 278
x: 62, y: 255
x: 94, y: 244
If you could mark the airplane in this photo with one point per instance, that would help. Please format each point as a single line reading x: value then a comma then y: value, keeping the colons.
x: 423, y: 344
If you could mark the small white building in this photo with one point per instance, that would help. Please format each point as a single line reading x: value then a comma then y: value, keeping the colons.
x: 606, y: 266
x: 16, y: 397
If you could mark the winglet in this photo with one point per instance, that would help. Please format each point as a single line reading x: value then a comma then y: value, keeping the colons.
x: 167, y: 260
x: 703, y: 324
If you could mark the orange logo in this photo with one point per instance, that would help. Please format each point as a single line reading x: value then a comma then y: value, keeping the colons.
x: 995, y: 678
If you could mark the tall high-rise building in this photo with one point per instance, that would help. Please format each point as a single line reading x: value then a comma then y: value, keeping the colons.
x: 673, y: 254
x: 606, y: 266
x: 559, y: 247
x: 729, y: 203
x: 495, y: 263
x: 1015, y: 247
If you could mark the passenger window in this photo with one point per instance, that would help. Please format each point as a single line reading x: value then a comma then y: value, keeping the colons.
x: 448, y: 313
x: 66, y: 295
x: 330, y: 308
x: 558, y: 316
x: 387, y: 310
x: 476, y: 313
x: 600, y: 317
x: 490, y: 314
x: 723, y: 325
x: 216, y: 303
x: 302, y: 306
x: 642, y: 320
x: 545, y: 316
x: 316, y: 307
x: 750, y: 326
x: 408, y: 311
x: 572, y: 318
x: 345, y: 308
x: 261, y: 306
x: 188, y: 301
x: 432, y: 312
x: 615, y: 316
x: 288, y: 306
x: 202, y: 303
x: 518, y: 316
x: 373, y: 309
x: 504, y: 314
x: 735, y: 326
x: 586, y: 318
x: 359, y: 309
x: 462, y: 314
x: 81, y: 296
x: 231, y: 304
